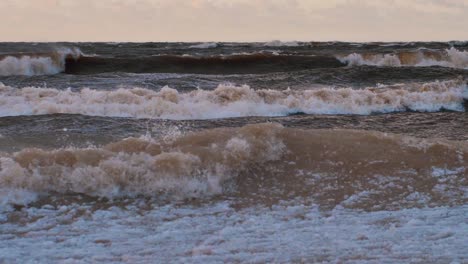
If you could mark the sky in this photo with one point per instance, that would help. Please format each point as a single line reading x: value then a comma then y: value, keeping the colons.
x: 233, y: 20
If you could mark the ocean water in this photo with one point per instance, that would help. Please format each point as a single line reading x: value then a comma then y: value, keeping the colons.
x: 309, y: 152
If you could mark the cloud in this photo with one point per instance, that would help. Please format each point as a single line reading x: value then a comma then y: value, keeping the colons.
x: 233, y: 20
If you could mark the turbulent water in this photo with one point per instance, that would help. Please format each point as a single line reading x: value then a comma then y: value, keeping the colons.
x: 234, y: 152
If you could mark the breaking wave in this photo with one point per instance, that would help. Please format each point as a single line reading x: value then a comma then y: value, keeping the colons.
x: 37, y: 64
x: 353, y: 168
x: 233, y: 101
x: 451, y: 58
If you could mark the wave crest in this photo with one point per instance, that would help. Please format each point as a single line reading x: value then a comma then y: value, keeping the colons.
x: 37, y: 64
x: 451, y: 58
x: 233, y: 101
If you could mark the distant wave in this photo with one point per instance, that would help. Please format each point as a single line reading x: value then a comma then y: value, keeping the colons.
x: 73, y: 61
x: 37, y: 64
x: 250, y: 63
x: 206, y: 45
x: 278, y: 43
x: 452, y: 58
x: 397, y: 44
x: 233, y: 101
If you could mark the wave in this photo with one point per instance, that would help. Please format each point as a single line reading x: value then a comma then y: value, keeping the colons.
x: 206, y: 45
x: 37, y: 64
x: 350, y: 167
x: 73, y: 61
x: 233, y: 101
x: 221, y: 64
x: 451, y: 58
x: 397, y: 44
x: 278, y: 43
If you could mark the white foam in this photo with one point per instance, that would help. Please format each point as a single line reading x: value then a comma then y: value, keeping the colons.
x: 16, y: 196
x: 206, y: 45
x: 442, y: 172
x: 218, y: 233
x: 355, y: 59
x: 41, y: 65
x: 459, y: 59
x: 232, y: 101
x: 27, y: 65
x: 452, y: 58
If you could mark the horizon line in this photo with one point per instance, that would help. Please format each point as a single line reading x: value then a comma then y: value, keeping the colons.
x: 224, y: 41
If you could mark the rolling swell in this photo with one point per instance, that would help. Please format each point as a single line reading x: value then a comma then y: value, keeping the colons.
x: 332, y: 166
x: 232, y: 64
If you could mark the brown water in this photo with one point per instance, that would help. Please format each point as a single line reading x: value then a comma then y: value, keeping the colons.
x: 236, y: 152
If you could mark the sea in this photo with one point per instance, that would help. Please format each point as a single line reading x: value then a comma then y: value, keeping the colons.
x: 276, y: 152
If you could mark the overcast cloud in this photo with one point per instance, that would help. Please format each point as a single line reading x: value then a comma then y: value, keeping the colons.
x: 233, y: 20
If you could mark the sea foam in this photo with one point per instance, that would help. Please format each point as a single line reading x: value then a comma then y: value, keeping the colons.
x: 233, y: 101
